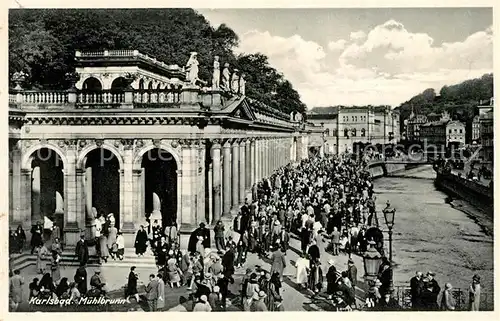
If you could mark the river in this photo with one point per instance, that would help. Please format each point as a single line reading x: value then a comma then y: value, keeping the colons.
x: 431, y: 235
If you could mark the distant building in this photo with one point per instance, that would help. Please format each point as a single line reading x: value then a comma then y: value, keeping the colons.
x: 476, y: 128
x: 413, y: 126
x: 486, y: 130
x: 434, y: 117
x: 455, y: 133
x: 441, y: 134
x: 345, y: 126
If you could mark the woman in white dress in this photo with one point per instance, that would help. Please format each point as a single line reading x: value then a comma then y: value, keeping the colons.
x: 302, y: 266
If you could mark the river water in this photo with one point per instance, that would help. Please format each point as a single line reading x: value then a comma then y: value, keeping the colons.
x: 431, y: 235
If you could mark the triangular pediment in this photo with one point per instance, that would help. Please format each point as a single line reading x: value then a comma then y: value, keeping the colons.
x: 240, y: 108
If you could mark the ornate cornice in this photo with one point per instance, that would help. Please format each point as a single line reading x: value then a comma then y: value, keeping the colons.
x: 120, y: 120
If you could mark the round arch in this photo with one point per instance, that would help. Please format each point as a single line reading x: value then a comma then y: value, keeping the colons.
x: 92, y: 83
x: 28, y: 155
x: 119, y: 83
x: 144, y: 150
x: 80, y: 163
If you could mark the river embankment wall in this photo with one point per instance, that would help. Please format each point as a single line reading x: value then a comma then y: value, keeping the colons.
x: 378, y: 170
x: 475, y: 193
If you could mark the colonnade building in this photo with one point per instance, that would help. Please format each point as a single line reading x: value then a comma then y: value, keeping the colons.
x: 135, y: 138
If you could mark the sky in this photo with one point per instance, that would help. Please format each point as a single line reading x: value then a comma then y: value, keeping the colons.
x: 366, y: 56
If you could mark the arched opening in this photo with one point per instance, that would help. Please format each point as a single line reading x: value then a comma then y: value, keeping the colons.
x: 150, y: 86
x: 92, y: 84
x: 47, y: 189
x: 102, y: 183
x: 141, y: 84
x: 119, y: 84
x: 160, y: 186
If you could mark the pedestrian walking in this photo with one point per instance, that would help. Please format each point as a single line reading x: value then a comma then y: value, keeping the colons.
x: 475, y: 293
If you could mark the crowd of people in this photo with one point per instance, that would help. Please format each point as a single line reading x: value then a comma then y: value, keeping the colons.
x: 324, y: 202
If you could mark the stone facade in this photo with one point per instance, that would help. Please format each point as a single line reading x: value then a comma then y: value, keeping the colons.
x: 217, y: 145
x: 344, y: 126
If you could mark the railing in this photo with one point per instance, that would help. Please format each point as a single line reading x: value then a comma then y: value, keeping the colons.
x: 121, y: 53
x: 127, y: 53
x: 45, y: 97
x: 402, y: 294
x: 105, y: 97
x: 157, y: 96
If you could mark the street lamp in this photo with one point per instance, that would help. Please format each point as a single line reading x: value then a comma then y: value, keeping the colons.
x: 372, y: 260
x: 389, y: 214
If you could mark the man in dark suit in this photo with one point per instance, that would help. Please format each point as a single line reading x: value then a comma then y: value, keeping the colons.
x: 152, y: 292
x: 416, y: 285
x: 352, y: 273
x: 82, y: 251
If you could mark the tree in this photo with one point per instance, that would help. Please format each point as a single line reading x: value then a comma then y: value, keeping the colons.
x: 43, y: 43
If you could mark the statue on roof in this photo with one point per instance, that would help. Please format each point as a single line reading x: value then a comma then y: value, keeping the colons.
x: 235, y: 81
x: 192, y: 68
x: 225, y: 77
x: 216, y: 74
x: 242, y: 85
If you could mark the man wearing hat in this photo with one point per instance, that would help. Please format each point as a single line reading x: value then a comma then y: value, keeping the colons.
x: 331, y: 279
x: 435, y: 286
x: 352, y: 272
x: 96, y: 281
x: 259, y: 305
x: 202, y: 305
x: 152, y: 292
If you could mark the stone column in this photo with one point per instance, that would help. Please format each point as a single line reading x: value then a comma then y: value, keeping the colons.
x: 248, y: 166
x: 25, y: 198
x: 17, y: 197
x: 188, y: 192
x: 226, y: 150
x: 127, y: 185
x: 216, y: 181
x: 88, y: 191
x: 75, y: 197
x: 138, y: 187
x: 36, y: 214
x: 266, y: 158
x: 252, y: 162
x: 242, y: 171
x: 235, y: 176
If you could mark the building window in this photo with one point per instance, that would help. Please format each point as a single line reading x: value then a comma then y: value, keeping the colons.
x: 455, y: 130
x: 346, y: 133
x: 461, y: 131
x: 353, y: 132
x: 363, y: 132
x: 449, y: 131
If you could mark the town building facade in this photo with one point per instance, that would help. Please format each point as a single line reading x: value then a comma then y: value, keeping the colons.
x: 345, y: 126
x: 140, y: 139
x: 487, y: 131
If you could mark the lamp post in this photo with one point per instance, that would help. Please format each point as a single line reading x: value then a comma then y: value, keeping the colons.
x: 371, y: 260
x: 389, y: 214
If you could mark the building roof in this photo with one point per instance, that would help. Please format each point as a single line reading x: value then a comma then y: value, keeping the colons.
x: 331, y: 110
x: 435, y: 123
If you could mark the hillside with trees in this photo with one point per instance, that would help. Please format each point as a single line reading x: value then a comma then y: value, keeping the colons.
x: 460, y: 101
x: 43, y: 42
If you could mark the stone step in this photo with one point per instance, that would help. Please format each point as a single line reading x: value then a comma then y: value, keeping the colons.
x: 68, y: 258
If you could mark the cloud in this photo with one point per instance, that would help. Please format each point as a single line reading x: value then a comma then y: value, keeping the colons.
x: 337, y: 45
x: 386, y: 65
x: 357, y: 35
